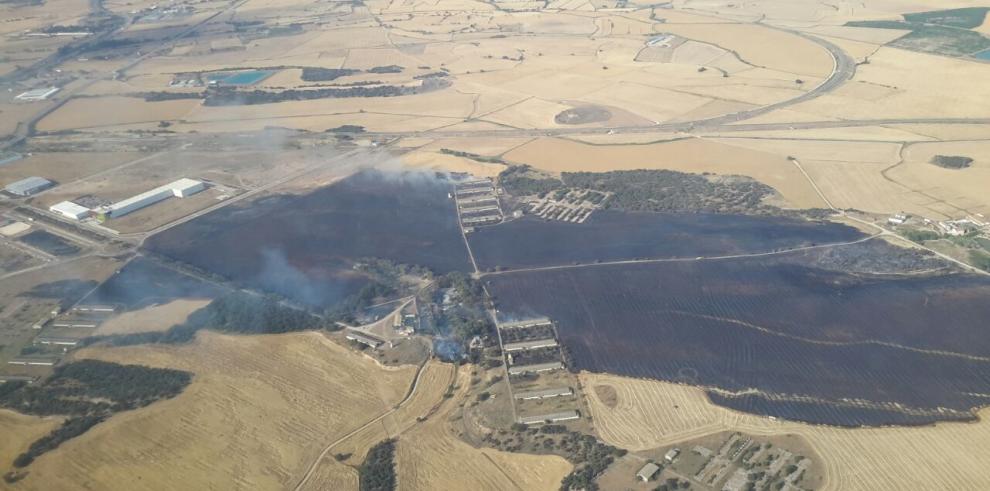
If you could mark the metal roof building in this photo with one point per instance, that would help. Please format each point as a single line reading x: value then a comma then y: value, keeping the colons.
x: 544, y: 394
x: 525, y: 323
x: 181, y: 188
x: 69, y: 209
x: 553, y: 418
x: 542, y: 367
x: 648, y: 471
x: 37, y: 94
x: 525, y: 345
x: 29, y: 186
x: 45, y: 361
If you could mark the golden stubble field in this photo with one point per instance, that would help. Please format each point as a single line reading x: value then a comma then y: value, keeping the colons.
x: 258, y: 412
x: 431, y: 456
x: 648, y: 414
x: 19, y: 430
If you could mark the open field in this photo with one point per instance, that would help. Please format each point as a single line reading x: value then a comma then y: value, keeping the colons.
x: 19, y: 431
x: 943, y: 456
x: 266, y: 404
x: 108, y: 111
x: 429, y: 396
x: 64, y: 167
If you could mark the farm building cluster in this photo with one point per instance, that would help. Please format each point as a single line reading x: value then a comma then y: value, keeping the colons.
x: 739, y: 463
x: 532, y: 355
x: 477, y: 203
x: 568, y: 205
x: 180, y: 189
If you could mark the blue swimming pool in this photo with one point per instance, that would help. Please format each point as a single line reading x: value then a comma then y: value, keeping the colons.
x: 244, y: 78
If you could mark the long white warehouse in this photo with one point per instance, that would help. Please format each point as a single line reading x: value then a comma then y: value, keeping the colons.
x: 181, y: 188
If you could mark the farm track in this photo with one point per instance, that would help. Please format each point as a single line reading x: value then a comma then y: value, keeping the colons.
x: 684, y: 259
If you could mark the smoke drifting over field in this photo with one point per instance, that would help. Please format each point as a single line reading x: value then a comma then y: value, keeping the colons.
x: 305, y: 246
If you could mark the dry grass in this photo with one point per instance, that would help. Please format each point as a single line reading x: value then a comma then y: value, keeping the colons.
x: 63, y: 167
x: 154, y: 318
x: 943, y: 456
x: 430, y: 456
x: 332, y: 474
x: 260, y: 408
x: 687, y: 155
x: 19, y: 431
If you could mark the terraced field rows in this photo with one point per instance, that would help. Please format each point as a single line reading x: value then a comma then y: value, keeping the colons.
x: 943, y: 456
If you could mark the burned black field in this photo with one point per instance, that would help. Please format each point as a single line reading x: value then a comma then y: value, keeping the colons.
x: 818, y: 346
x: 305, y: 246
x: 616, y: 235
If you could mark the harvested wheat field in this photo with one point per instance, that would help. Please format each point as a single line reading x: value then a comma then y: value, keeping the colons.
x: 97, y: 112
x: 19, y: 431
x: 258, y: 412
x: 649, y: 414
x: 154, y: 318
x: 686, y: 155
x: 430, y: 456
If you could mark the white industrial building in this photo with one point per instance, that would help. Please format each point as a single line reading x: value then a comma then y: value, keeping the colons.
x: 181, y: 188
x: 37, y: 94
x: 69, y: 209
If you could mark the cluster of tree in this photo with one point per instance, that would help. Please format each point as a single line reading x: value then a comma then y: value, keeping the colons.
x: 377, y: 472
x: 468, y: 291
x: 386, y: 69
x: 228, y: 96
x: 89, y: 391
x: 346, y: 128
x: 317, y: 74
x: 918, y: 235
x: 671, y: 191
x: 472, y: 156
x: 673, y: 484
x: 980, y: 259
x: 70, y: 429
x: 162, y: 95
x: 952, y: 161
x: 522, y: 180
x: 590, y: 457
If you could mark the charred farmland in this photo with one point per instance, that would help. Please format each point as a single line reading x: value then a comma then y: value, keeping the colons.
x: 305, y: 246
x: 774, y: 337
x: 611, y: 235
